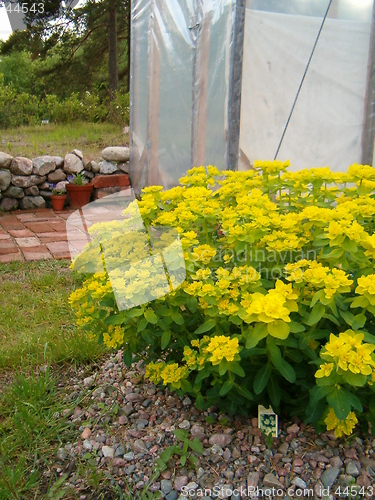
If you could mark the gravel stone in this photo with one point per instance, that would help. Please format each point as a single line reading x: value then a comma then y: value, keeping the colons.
x: 108, y: 451
x: 329, y: 476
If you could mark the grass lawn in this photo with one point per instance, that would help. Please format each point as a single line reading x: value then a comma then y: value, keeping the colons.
x: 39, y: 344
x: 58, y: 140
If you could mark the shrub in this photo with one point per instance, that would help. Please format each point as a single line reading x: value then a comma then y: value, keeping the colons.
x: 278, y: 302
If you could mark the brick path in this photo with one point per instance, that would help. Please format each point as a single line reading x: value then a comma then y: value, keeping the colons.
x: 34, y: 235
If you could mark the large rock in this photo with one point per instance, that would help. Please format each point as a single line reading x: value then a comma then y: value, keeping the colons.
x: 21, y: 166
x: 8, y: 204
x: 78, y: 153
x: 5, y: 178
x: 57, y: 176
x: 116, y: 153
x: 32, y: 202
x: 72, y: 164
x: 25, y: 182
x: 32, y: 191
x: 124, y: 167
x: 14, y: 192
x: 5, y: 160
x: 59, y: 161
x: 45, y: 193
x: 105, y: 167
x: 61, y: 186
x: 43, y: 165
x: 95, y: 167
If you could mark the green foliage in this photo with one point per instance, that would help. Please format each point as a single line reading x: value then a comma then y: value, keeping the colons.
x: 22, y: 108
x: 278, y: 302
x: 184, y: 448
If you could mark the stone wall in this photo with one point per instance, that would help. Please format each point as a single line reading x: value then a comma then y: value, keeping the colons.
x: 27, y: 184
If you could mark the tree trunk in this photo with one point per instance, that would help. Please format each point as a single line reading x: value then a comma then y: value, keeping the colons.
x: 112, y: 44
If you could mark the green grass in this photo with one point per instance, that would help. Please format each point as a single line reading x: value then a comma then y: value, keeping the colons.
x: 58, y: 140
x: 37, y: 323
x: 40, y: 348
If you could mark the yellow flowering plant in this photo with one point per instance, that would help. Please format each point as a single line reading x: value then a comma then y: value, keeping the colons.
x: 276, y: 301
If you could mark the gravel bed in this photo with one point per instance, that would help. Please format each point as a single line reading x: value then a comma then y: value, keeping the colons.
x: 122, y: 423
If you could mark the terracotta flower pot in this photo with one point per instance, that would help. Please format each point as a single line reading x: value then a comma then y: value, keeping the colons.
x: 58, y: 201
x: 79, y: 195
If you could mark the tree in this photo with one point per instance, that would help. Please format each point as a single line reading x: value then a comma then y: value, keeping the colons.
x: 77, y: 46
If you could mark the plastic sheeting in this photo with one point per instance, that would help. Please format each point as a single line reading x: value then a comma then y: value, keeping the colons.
x: 327, y: 122
x: 300, y: 75
x: 179, y: 87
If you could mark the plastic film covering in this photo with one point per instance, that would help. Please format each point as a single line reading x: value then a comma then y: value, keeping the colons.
x: 180, y: 74
x: 308, y: 83
x: 142, y: 264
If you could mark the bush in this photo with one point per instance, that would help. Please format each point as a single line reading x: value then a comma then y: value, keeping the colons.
x: 278, y: 302
x: 21, y: 108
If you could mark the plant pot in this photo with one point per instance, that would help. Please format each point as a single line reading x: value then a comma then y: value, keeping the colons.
x: 79, y: 195
x: 58, y: 201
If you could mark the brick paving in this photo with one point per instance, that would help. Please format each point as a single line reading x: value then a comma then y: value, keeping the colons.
x: 34, y: 235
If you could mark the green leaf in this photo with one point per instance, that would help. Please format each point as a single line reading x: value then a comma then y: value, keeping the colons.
x: 348, y: 317
x: 314, y: 412
x: 165, y: 338
x: 128, y: 357
x: 223, y: 367
x: 355, y: 379
x: 134, y: 313
x: 317, y: 296
x: 340, y: 401
x: 236, y: 368
x: 202, y: 375
x: 142, y: 325
x: 282, y: 366
x: 349, y: 246
x: 359, y: 302
x: 196, y: 446
x: 254, y: 335
x: 261, y: 378
x: 243, y: 392
x: 273, y: 391
x: 335, y: 254
x: 206, y: 326
x: 278, y: 329
x: 151, y: 316
x: 147, y: 336
x: 116, y: 319
x: 178, y: 318
x: 359, y: 321
x: 316, y: 314
x: 296, y: 327
x: 192, y: 304
x: 355, y: 402
x: 181, y: 434
x: 183, y: 460
x: 319, y: 392
x: 226, y: 387
x: 167, y: 454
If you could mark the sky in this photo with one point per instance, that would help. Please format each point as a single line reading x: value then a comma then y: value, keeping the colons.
x: 5, y: 29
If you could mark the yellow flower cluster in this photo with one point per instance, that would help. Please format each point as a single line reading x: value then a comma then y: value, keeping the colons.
x: 114, y: 336
x: 169, y: 373
x: 347, y: 352
x: 340, y: 427
x: 366, y: 287
x: 276, y: 305
x: 222, y: 347
x: 317, y: 276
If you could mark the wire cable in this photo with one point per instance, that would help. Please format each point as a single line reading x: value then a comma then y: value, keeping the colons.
x: 303, y: 79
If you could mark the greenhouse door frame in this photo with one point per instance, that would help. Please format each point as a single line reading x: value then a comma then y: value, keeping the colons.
x: 368, y: 136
